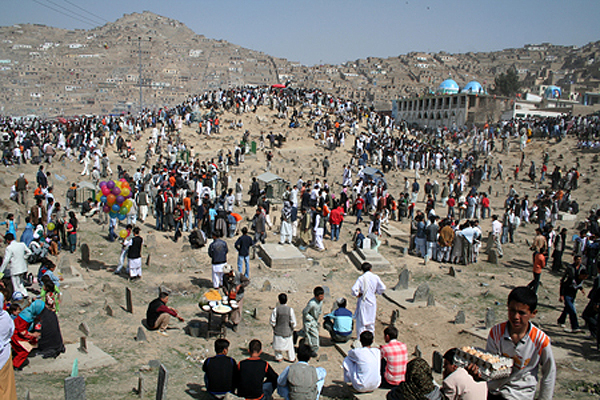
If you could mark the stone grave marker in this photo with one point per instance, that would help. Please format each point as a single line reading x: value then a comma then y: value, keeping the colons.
x: 438, y: 362
x: 403, y: 280
x: 27, y: 395
x: 430, y: 300
x: 75, y: 388
x: 418, y: 352
x: 460, y: 317
x: 493, y: 256
x: 141, y: 335
x: 161, y: 385
x: 452, y: 271
x: 140, y: 387
x: 85, y: 253
x: 490, y: 318
x: 266, y: 287
x: 128, y: 304
x: 83, y: 327
x: 109, y: 311
x: 83, y: 344
x: 394, y: 317
x: 422, y: 293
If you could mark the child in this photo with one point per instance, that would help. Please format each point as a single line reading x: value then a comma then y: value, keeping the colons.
x: 50, y: 294
x: 12, y: 225
x: 13, y: 310
x: 527, y: 345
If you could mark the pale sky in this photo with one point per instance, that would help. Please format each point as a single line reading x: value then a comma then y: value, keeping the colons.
x: 335, y: 31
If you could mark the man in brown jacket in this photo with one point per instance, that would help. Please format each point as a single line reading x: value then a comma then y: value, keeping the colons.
x: 38, y: 214
x: 445, y: 240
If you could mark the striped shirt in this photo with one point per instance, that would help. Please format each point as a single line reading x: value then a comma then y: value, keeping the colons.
x: 528, y: 354
x: 395, y: 354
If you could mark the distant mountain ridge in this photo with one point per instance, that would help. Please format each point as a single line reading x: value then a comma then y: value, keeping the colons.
x: 50, y: 71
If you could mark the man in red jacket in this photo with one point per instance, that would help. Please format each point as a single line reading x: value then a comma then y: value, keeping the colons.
x: 336, y: 217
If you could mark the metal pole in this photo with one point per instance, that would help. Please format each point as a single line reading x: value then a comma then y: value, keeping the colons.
x: 140, y: 77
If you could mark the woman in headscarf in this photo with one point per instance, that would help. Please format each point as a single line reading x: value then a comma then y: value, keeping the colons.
x: 8, y: 388
x: 50, y: 344
x: 22, y: 340
x: 418, y: 384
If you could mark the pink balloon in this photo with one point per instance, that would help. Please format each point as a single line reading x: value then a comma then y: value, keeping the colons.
x: 105, y: 191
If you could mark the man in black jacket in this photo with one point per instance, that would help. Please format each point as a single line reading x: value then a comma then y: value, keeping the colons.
x: 159, y: 314
x: 257, y: 379
x: 570, y: 283
x: 221, y: 371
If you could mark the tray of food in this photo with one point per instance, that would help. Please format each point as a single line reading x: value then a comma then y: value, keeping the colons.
x: 491, y: 366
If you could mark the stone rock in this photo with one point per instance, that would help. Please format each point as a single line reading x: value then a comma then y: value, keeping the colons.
x: 75, y: 388
x: 85, y: 253
x: 438, y: 362
x: 493, y: 256
x: 394, y: 317
x: 430, y: 300
x: 452, y: 271
x: 490, y: 318
x: 418, y: 352
x: 109, y: 311
x: 460, y: 318
x: 422, y: 293
x: 161, y: 385
x: 403, y: 280
x: 141, y: 335
x: 266, y: 286
x: 83, y: 327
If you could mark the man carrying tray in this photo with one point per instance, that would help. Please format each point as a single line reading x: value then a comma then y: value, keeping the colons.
x: 527, y: 346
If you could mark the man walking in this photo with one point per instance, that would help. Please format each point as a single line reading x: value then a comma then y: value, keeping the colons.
x: 242, y: 245
x: 218, y: 254
x: 365, y: 288
x: 16, y: 254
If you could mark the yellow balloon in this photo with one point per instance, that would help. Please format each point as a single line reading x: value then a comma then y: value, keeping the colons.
x: 98, y: 195
x: 51, y: 226
x: 124, y: 192
x: 119, y: 184
x: 128, y: 203
x: 123, y: 233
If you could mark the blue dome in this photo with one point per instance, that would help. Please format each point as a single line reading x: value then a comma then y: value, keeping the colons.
x: 449, y: 86
x: 552, y: 92
x: 473, y: 87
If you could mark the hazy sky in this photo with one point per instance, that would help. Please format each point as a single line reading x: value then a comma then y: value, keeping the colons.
x: 335, y: 31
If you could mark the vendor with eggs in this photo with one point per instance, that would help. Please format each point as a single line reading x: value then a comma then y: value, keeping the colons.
x: 233, y: 286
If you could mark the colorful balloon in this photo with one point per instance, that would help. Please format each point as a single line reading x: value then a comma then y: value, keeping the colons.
x: 102, y: 184
x: 110, y: 199
x: 125, y: 192
x: 121, y: 217
x: 51, y: 226
x: 105, y: 190
x: 116, y: 208
x: 98, y: 196
x: 120, y: 199
x: 116, y: 191
x: 103, y: 199
x: 106, y: 208
x: 110, y: 184
x: 124, y: 210
x: 128, y: 203
x: 123, y: 233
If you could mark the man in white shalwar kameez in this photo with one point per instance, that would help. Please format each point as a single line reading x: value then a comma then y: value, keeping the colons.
x: 361, y: 365
x: 365, y: 288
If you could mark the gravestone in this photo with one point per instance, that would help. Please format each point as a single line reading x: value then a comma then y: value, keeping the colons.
x: 27, y: 395
x: 493, y: 256
x: 422, y: 293
x: 405, y: 251
x: 438, y: 362
x: 85, y: 253
x: 83, y: 327
x: 148, y: 260
x: 430, y: 300
x: 394, y: 317
x: 83, y: 344
x: 161, y: 385
x: 452, y: 271
x: 490, y: 318
x: 141, y: 335
x: 128, y: 304
x: 266, y: 287
x: 403, y: 280
x: 327, y: 291
x: 109, y: 311
x: 140, y: 387
x: 75, y: 388
x: 460, y: 317
x: 418, y: 352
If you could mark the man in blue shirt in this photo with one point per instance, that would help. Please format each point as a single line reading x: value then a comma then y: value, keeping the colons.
x: 339, y: 323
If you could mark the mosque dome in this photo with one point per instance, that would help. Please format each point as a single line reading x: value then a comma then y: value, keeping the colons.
x: 473, y: 87
x: 449, y: 86
x: 552, y: 92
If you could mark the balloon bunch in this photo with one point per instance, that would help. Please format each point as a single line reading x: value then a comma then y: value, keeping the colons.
x: 115, y: 197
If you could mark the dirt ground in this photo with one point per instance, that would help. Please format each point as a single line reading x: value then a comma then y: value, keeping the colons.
x: 186, y: 273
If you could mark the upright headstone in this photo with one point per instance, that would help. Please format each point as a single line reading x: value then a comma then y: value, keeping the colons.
x: 460, y: 317
x: 140, y: 387
x: 85, y: 253
x: 430, y: 300
x: 75, y: 388
x: 394, y: 317
x: 266, y: 286
x: 141, y: 335
x: 438, y: 362
x: 109, y: 310
x: 161, y: 385
x: 418, y: 352
x: 403, y: 280
x: 83, y: 327
x: 83, y: 344
x: 128, y: 303
x: 493, y: 256
x: 490, y: 318
x: 27, y: 395
x: 452, y: 271
x: 422, y: 293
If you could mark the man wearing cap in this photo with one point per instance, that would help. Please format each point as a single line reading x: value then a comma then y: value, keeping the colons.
x: 16, y: 254
x: 339, y: 323
x: 218, y: 254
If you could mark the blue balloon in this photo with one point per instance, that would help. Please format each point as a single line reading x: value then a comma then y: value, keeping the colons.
x: 121, y: 217
x: 116, y: 208
x: 112, y: 214
x: 103, y: 199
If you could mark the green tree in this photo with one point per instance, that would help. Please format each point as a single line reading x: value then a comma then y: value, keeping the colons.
x: 507, y: 84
